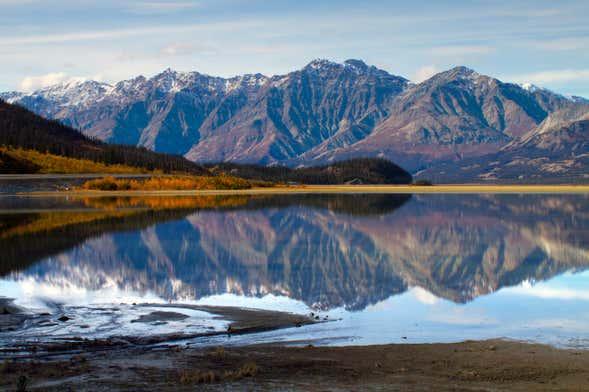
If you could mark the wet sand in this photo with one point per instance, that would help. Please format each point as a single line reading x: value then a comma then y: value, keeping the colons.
x: 491, y: 365
x: 240, y: 321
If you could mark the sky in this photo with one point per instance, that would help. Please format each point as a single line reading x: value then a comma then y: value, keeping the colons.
x: 43, y: 42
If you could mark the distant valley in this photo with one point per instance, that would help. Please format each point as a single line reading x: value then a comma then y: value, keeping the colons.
x: 457, y: 126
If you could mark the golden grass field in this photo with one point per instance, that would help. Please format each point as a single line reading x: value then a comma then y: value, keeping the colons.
x: 51, y: 163
x: 186, y: 183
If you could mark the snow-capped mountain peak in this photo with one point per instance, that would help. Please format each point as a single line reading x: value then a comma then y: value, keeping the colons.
x: 318, y: 64
x: 530, y: 87
x: 576, y: 98
x: 11, y: 96
x: 77, y: 92
x: 246, y: 81
x: 171, y: 81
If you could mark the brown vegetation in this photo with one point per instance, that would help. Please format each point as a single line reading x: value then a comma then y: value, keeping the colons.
x: 250, y: 369
x: 168, y: 183
x: 195, y: 376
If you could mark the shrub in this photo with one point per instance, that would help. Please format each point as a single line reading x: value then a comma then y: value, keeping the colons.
x: 168, y: 183
x: 247, y: 370
x: 422, y: 183
x: 198, y: 377
x: 102, y: 184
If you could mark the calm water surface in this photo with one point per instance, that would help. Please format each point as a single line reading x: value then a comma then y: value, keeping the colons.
x: 384, y: 268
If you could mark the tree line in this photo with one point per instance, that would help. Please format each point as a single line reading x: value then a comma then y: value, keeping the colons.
x: 354, y: 171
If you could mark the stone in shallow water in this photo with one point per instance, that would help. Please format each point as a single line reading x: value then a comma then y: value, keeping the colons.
x: 7, y: 307
x: 11, y: 316
x: 160, y: 316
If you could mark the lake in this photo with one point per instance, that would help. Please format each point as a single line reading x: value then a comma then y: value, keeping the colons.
x: 378, y: 268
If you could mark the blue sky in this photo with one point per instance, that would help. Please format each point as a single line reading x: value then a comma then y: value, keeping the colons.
x: 542, y: 42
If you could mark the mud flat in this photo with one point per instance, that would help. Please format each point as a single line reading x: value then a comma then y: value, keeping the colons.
x: 36, y: 345
x: 492, y: 365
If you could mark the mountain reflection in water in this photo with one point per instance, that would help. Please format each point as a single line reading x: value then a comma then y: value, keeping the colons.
x: 327, y: 251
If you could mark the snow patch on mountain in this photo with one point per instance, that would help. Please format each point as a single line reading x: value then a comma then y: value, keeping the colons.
x: 530, y: 87
x: 71, y: 93
x: 246, y: 81
x: 576, y: 99
x: 11, y: 96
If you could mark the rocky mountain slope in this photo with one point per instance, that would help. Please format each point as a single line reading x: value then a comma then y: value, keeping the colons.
x: 323, y: 112
x: 455, y: 114
x: 557, y: 151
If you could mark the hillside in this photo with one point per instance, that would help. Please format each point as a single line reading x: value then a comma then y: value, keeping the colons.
x: 20, y: 161
x: 23, y: 129
x: 10, y: 164
x: 322, y: 113
x: 557, y: 151
x: 353, y: 171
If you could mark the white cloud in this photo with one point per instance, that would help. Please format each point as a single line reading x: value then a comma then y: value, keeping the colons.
x: 16, y: 2
x: 125, y: 33
x: 159, y: 7
x: 563, y: 44
x: 425, y: 73
x: 33, y: 83
x: 179, y: 49
x: 460, y: 50
x: 564, y: 75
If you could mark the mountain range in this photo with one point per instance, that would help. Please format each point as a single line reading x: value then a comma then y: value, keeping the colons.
x: 327, y: 111
x: 30, y: 144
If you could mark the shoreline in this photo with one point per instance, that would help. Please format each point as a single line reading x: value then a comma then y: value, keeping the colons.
x: 124, y: 364
x: 333, y: 189
x: 497, y: 365
x: 240, y: 321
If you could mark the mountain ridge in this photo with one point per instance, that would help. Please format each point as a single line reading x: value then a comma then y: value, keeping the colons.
x: 324, y: 112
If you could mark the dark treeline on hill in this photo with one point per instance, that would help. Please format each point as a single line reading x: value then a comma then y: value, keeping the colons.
x: 10, y: 165
x: 353, y: 171
x: 21, y: 128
